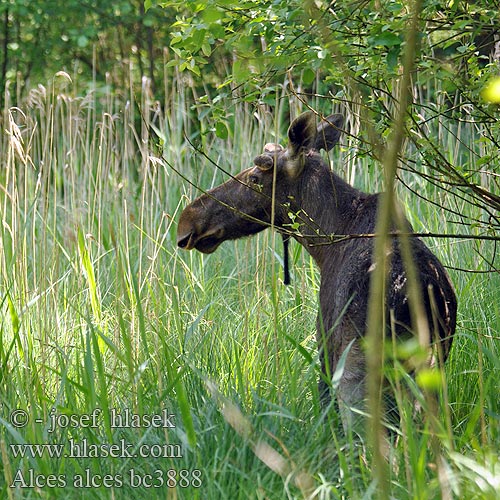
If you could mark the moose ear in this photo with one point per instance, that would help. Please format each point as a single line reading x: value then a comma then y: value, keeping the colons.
x: 302, y: 133
x: 328, y: 132
x: 301, y: 138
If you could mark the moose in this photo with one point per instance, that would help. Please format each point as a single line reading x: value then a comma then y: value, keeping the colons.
x: 293, y: 187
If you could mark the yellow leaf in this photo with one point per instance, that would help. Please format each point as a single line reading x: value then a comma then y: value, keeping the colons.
x: 491, y: 92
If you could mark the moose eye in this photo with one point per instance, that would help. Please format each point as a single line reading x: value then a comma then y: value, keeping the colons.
x: 253, y: 179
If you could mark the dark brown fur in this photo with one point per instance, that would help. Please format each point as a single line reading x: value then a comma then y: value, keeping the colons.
x: 308, y: 192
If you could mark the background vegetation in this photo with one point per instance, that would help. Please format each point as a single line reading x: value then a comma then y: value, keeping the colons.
x: 113, y: 117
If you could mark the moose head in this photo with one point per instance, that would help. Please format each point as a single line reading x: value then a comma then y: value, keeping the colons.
x: 264, y: 195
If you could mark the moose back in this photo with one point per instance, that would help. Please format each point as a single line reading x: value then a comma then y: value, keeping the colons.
x: 309, y: 195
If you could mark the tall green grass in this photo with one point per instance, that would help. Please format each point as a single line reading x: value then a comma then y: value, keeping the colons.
x: 100, y: 310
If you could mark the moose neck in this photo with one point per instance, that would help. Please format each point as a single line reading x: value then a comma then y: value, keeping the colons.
x: 327, y: 205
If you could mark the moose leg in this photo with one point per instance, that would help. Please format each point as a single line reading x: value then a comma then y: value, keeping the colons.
x: 351, y: 389
x: 351, y: 396
x: 347, y: 379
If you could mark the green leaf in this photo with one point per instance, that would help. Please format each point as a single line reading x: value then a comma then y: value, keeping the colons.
x: 392, y: 57
x: 198, y: 38
x: 206, y: 49
x: 394, y: 7
x: 221, y: 130
x: 88, y: 269
x: 14, y: 318
x: 385, y: 39
x: 241, y: 72
x: 308, y: 76
x: 192, y: 66
x: 212, y: 14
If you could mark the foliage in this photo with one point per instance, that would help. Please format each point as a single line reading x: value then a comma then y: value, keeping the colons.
x: 93, y: 39
x: 264, y: 37
x: 349, y: 55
